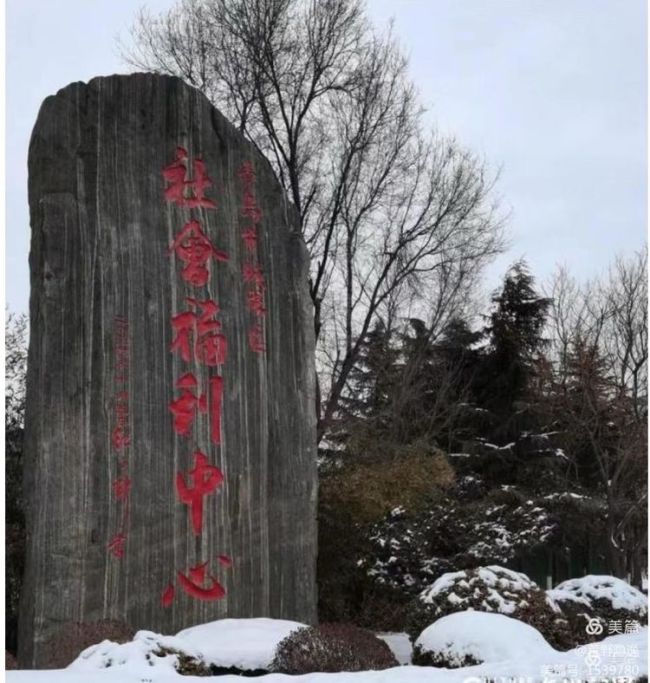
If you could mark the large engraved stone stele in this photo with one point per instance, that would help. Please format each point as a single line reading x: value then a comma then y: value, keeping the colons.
x: 109, y: 534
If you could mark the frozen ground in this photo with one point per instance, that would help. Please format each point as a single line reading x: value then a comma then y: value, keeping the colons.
x: 615, y: 657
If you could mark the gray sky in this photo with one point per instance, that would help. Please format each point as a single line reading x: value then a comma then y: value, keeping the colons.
x: 551, y: 91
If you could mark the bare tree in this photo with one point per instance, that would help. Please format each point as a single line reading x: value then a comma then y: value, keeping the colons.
x: 386, y: 210
x: 601, y: 337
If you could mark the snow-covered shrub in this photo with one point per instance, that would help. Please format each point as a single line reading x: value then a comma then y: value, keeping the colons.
x: 146, y: 652
x: 71, y: 638
x: 606, y: 593
x: 469, y: 487
x: 609, y: 599
x: 352, y: 499
x: 468, y: 638
x: 332, y: 648
x: 408, y: 550
x: 490, y: 589
x: 400, y: 555
x: 185, y: 664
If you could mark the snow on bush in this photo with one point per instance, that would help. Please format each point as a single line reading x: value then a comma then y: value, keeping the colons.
x: 613, y: 602
x: 407, y: 550
x: 592, y: 590
x: 468, y: 638
x: 332, y: 648
x: 147, y: 651
x: 490, y: 589
x: 497, y: 588
x: 243, y: 644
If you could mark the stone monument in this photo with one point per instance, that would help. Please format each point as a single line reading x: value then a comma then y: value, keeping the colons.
x: 170, y: 449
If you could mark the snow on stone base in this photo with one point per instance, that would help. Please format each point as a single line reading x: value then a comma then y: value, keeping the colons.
x: 241, y: 643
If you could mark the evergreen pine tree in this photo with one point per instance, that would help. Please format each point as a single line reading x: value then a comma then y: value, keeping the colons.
x: 372, y: 380
x: 515, y: 334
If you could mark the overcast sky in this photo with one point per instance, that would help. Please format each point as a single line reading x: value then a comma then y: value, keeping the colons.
x: 551, y: 91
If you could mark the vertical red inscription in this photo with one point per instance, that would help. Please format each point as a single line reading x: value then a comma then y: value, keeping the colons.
x: 120, y: 434
x: 252, y: 273
x: 197, y: 338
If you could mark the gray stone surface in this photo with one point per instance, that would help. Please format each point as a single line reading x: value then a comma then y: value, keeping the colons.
x: 100, y: 233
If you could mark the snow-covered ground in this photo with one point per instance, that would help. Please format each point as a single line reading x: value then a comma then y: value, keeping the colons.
x: 534, y: 660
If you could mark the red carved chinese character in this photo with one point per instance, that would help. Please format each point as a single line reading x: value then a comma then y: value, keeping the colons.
x: 250, y: 239
x: 168, y: 595
x: 253, y: 274
x: 194, y: 248
x: 121, y: 487
x: 256, y: 340
x: 185, y: 406
x: 210, y: 346
x: 255, y: 301
x: 205, y: 479
x: 251, y: 210
x: 175, y: 174
x: 225, y: 560
x: 119, y: 438
x: 192, y: 585
x: 246, y: 173
x: 121, y: 358
x: 116, y: 546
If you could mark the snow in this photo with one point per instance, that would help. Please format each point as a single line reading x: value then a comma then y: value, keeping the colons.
x: 564, y: 495
x: 485, y: 637
x: 617, y: 656
x: 138, y: 656
x: 240, y: 643
x: 616, y: 591
x: 400, y: 645
x: 557, y: 596
x: 504, y: 588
